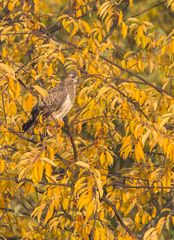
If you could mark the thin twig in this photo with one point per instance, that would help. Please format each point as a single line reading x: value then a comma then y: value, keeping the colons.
x: 20, y: 135
x: 136, y: 76
x: 69, y: 134
x: 158, y: 89
x: 122, y: 185
x: 148, y: 9
x: 154, y: 221
x: 127, y: 229
x: 3, y: 106
x: 65, y: 163
x: 135, y: 104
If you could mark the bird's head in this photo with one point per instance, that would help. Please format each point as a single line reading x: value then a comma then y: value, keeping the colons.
x: 72, y: 78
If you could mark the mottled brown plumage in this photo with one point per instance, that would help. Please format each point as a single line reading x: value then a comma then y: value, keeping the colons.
x: 58, y: 102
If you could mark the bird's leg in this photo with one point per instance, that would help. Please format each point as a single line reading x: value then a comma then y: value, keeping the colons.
x: 65, y: 119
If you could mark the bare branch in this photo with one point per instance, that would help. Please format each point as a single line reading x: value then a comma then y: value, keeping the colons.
x: 154, y: 221
x: 136, y: 76
x: 126, y: 228
x: 65, y: 163
x: 3, y: 106
x: 20, y: 135
x: 69, y: 134
x: 148, y: 9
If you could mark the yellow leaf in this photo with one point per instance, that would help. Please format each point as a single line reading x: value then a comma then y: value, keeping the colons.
x: 10, y: 6
x: 41, y: 91
x: 97, y: 234
x: 102, y: 158
x: 7, y: 68
x: 79, y: 184
x: 89, y: 210
x: 74, y: 30
x: 120, y: 18
x: 65, y: 203
x: 53, y: 223
x: 92, y: 69
x: 154, y: 212
x: 37, y: 171
x: 12, y: 109
x: 173, y: 220
x: 109, y: 158
x: 4, y: 52
x: 124, y: 30
x: 83, y: 202
x: 2, y: 166
x: 50, y: 70
x: 145, y: 136
x: 48, y: 171
x: 103, y: 8
x: 137, y: 218
x: 49, y: 161
x: 79, y: 13
x: 100, y: 187
x: 28, y: 103
x: 102, y: 91
x: 97, y: 175
x: 86, y: 26
x: 12, y: 84
x: 169, y: 2
x: 38, y: 211
x: 134, y: 20
x: 131, y: 3
x: 82, y: 164
x: 151, y: 234
x: 14, y: 88
x: 51, y: 153
x: 160, y: 225
x: 18, y: 89
x: 49, y: 213
x: 61, y: 57
x: 144, y: 219
x: 139, y: 154
x: 126, y: 148
x: 149, y: 24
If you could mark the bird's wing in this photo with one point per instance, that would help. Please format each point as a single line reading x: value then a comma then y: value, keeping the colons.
x: 54, y: 100
x: 48, y: 105
x: 33, y: 119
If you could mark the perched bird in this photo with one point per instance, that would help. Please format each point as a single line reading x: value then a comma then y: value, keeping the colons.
x: 57, y: 103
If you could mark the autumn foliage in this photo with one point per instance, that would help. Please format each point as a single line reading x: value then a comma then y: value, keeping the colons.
x: 107, y: 172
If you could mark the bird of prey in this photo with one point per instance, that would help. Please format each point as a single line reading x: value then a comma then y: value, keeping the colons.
x: 57, y: 103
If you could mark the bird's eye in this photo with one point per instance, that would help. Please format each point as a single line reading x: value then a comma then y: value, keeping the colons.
x: 73, y: 76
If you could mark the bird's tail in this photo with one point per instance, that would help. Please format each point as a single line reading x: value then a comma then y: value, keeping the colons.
x: 27, y: 125
x: 33, y: 120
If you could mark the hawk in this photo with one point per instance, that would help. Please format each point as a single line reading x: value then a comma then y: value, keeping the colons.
x: 57, y: 103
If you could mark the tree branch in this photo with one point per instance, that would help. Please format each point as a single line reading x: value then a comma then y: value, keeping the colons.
x: 65, y: 163
x: 154, y: 221
x: 136, y: 76
x: 148, y: 9
x: 126, y: 228
x: 69, y: 134
x: 3, y: 106
x: 20, y: 135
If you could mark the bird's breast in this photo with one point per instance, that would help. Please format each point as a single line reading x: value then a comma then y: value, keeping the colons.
x: 64, y: 109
